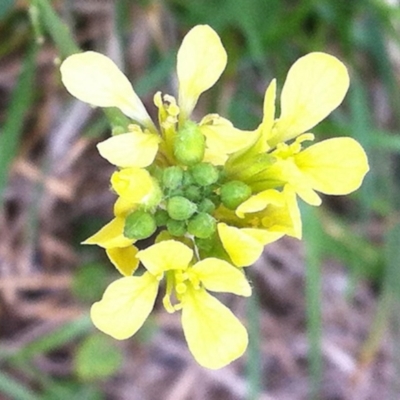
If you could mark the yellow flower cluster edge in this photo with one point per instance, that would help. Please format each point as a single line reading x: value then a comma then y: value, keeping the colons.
x: 215, y: 194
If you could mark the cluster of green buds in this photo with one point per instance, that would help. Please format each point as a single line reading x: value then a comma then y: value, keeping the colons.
x: 190, y: 192
x: 211, y: 195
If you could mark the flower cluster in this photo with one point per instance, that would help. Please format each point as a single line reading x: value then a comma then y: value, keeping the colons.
x: 212, y: 195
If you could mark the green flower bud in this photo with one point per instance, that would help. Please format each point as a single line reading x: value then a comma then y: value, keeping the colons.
x: 234, y: 193
x: 172, y: 177
x: 161, y: 216
x: 189, y: 144
x: 187, y: 178
x: 154, y: 197
x: 193, y: 193
x: 139, y: 225
x: 180, y: 208
x: 207, y: 206
x: 204, y: 174
x: 176, y: 228
x: 202, y: 225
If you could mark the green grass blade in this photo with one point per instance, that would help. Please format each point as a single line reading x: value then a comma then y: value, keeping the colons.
x: 11, y: 132
x: 14, y: 389
x: 57, y: 338
x: 392, y: 282
x: 313, y: 297
x: 66, y: 45
x: 253, y: 365
x: 58, y: 31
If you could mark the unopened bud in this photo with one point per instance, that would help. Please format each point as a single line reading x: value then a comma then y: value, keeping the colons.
x: 202, y: 225
x: 172, y: 177
x: 189, y: 144
x: 193, y: 193
x: 176, y: 228
x: 180, y: 208
x: 207, y: 206
x: 204, y: 174
x: 161, y: 216
x: 234, y: 193
x: 139, y: 225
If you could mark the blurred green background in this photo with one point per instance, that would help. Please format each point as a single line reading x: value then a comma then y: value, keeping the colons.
x: 324, y: 323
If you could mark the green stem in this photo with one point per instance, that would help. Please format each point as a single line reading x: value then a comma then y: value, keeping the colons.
x: 66, y: 45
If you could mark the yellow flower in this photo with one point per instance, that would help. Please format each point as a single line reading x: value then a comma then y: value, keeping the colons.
x: 252, y: 242
x: 136, y: 186
x: 272, y: 210
x: 125, y: 305
x: 335, y: 166
x: 95, y: 79
x: 110, y: 235
x: 316, y: 84
x: 223, y: 139
x: 124, y: 259
x: 214, y: 335
x: 201, y: 61
x: 119, y: 249
x: 131, y: 149
x: 217, y: 194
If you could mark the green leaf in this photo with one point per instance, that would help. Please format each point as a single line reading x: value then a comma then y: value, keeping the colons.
x: 11, y: 132
x: 90, y: 281
x: 72, y: 390
x: 97, y: 358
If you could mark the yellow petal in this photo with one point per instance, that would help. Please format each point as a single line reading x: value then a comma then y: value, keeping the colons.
x: 133, y: 184
x: 214, y: 335
x: 269, y: 110
x: 307, y: 194
x: 214, y: 157
x: 124, y: 259
x: 133, y: 149
x: 220, y: 276
x: 125, y: 305
x: 316, y: 84
x: 201, y: 60
x: 164, y: 256
x: 334, y: 166
x: 223, y: 137
x: 95, y: 79
x: 260, y: 201
x: 263, y: 236
x: 284, y: 218
x: 124, y: 206
x: 242, y: 248
x: 285, y: 171
x: 111, y: 235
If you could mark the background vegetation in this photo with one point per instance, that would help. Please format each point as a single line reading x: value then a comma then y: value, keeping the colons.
x: 325, y: 321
